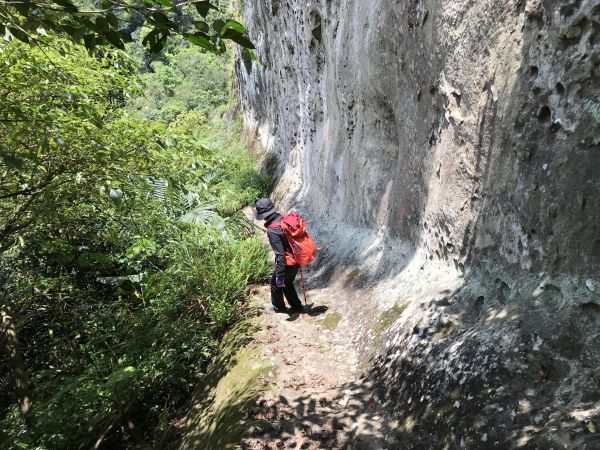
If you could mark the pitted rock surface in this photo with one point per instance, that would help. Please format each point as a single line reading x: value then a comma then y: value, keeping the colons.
x: 447, y: 156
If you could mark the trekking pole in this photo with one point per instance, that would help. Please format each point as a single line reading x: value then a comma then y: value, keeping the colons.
x: 303, y: 287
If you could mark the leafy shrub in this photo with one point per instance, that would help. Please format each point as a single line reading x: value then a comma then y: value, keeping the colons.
x: 128, y: 264
x: 188, y: 79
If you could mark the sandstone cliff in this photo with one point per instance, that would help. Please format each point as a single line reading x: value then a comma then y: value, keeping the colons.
x: 447, y: 154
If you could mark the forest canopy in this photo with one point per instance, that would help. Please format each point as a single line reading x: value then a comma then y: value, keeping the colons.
x: 113, y: 22
x: 123, y: 252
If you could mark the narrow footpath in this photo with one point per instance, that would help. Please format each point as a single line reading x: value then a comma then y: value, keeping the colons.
x: 314, y: 397
x: 291, y: 382
x: 284, y: 382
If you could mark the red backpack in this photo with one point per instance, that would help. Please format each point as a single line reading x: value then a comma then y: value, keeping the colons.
x: 302, y: 245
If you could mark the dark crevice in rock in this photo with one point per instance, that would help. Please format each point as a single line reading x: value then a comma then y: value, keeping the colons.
x: 544, y: 114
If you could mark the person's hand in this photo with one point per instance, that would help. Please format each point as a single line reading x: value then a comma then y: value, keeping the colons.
x: 279, y: 282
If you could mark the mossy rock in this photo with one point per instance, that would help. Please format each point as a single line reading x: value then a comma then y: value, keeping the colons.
x: 331, y: 321
x: 231, y: 387
x: 444, y: 408
x: 351, y: 277
x: 445, y: 332
x: 389, y: 317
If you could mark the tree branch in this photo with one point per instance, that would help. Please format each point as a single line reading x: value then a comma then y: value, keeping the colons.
x: 15, y: 353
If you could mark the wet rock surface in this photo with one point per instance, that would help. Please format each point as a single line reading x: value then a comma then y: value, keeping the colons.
x: 447, y: 156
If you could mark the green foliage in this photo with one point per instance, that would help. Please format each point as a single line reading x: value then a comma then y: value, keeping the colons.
x: 56, y: 129
x: 229, y: 194
x: 111, y: 23
x: 121, y: 245
x: 187, y: 79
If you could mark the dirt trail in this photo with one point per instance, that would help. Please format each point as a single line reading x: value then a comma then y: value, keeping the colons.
x: 315, y: 398
x: 296, y: 382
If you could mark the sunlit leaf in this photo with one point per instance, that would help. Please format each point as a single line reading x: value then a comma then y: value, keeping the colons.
x: 203, y: 7
x: 122, y: 374
x: 201, y: 40
x: 202, y: 26
x: 233, y: 25
x: 116, y: 195
x: 238, y: 38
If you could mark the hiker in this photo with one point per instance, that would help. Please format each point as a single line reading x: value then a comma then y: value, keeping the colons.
x: 286, y: 269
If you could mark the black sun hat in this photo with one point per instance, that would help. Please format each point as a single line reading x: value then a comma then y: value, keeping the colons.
x: 264, y: 208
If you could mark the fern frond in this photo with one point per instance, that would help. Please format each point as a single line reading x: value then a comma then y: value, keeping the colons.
x: 239, y: 225
x: 159, y: 187
x: 202, y: 214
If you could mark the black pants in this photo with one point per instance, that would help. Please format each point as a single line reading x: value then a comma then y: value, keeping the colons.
x: 288, y: 290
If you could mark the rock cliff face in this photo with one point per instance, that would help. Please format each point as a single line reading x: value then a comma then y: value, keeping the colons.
x: 448, y: 155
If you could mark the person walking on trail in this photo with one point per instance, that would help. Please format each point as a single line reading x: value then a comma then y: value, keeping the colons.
x: 286, y: 269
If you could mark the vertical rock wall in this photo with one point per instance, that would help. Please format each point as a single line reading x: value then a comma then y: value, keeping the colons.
x: 448, y: 140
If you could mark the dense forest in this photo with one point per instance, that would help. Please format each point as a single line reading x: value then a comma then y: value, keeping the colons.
x: 124, y: 256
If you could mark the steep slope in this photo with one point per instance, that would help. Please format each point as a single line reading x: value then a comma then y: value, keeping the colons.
x: 448, y: 153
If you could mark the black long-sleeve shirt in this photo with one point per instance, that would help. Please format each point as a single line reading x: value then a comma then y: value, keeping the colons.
x: 279, y: 244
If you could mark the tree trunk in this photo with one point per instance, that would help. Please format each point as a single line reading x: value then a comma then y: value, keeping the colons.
x: 9, y: 336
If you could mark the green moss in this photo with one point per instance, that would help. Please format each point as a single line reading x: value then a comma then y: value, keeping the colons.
x: 388, y: 317
x: 231, y: 386
x: 379, y: 325
x: 331, y: 321
x: 351, y: 276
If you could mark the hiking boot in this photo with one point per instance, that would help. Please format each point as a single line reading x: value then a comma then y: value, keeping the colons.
x: 297, y: 310
x: 275, y: 310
